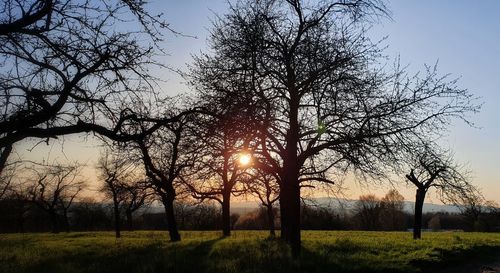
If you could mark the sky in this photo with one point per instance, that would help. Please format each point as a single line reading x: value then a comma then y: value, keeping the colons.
x: 462, y: 36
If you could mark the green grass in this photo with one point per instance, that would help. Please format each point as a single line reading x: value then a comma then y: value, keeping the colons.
x: 245, y: 251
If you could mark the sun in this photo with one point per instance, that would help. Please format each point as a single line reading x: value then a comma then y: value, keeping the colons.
x: 245, y: 159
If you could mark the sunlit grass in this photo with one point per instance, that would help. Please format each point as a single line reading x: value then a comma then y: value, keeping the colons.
x: 244, y: 251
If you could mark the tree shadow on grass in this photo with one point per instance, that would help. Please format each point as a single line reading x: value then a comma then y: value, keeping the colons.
x: 221, y: 255
x: 442, y: 259
x: 345, y: 257
x: 148, y: 258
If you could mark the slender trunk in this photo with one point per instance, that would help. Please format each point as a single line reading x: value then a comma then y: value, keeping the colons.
x: 226, y: 217
x: 417, y: 223
x: 168, y: 203
x: 116, y: 212
x: 128, y: 214
x: 270, y: 220
x: 54, y: 221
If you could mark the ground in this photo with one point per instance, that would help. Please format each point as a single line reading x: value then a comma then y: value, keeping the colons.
x: 244, y: 251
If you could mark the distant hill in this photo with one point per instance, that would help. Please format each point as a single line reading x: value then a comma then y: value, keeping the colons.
x: 335, y: 203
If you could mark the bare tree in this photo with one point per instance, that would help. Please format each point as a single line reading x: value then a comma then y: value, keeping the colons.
x: 49, y: 184
x: 67, y: 69
x: 66, y: 199
x: 113, y: 169
x: 123, y: 184
x: 474, y: 207
x: 266, y: 189
x: 315, y: 85
x: 166, y: 154
x: 136, y: 194
x: 222, y: 144
x: 432, y: 168
x: 392, y: 211
x: 367, y: 210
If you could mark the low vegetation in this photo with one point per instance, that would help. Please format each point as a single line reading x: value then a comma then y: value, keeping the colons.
x: 244, y: 251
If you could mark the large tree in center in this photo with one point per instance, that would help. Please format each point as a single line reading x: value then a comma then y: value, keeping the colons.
x: 317, y: 87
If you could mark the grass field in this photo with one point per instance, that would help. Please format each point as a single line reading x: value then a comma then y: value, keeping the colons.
x: 245, y: 251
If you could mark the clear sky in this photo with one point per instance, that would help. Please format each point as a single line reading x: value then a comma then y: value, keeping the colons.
x: 463, y: 35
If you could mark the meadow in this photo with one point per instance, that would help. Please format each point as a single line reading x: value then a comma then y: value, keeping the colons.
x: 244, y: 251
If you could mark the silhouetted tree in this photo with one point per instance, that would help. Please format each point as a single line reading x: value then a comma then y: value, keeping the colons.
x: 221, y: 141
x: 48, y: 185
x: 266, y: 189
x: 392, y: 215
x: 67, y: 69
x: 224, y: 132
x: 136, y: 195
x: 66, y: 199
x: 475, y: 209
x: 432, y: 168
x: 310, y: 71
x: 435, y: 222
x: 166, y: 155
x: 367, y: 209
x: 113, y: 170
x: 198, y: 216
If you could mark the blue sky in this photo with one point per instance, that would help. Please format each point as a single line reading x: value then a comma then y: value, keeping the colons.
x: 463, y: 35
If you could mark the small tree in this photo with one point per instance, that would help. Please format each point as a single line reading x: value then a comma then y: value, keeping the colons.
x: 392, y: 211
x: 474, y: 208
x: 113, y: 169
x: 166, y: 154
x: 223, y: 134
x: 435, y: 222
x: 266, y: 189
x: 49, y: 185
x: 136, y: 194
x: 367, y: 210
x: 218, y: 170
x: 432, y: 168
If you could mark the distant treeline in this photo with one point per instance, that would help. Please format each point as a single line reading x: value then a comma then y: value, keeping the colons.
x: 368, y: 213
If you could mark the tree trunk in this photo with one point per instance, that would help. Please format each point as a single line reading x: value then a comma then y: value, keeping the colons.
x: 283, y: 220
x: 226, y: 217
x: 270, y: 220
x: 128, y: 214
x: 291, y: 190
x: 116, y: 212
x: 54, y: 221
x: 417, y: 223
x: 168, y: 203
x: 290, y: 202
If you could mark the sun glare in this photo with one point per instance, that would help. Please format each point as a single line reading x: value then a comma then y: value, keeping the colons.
x: 244, y: 159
